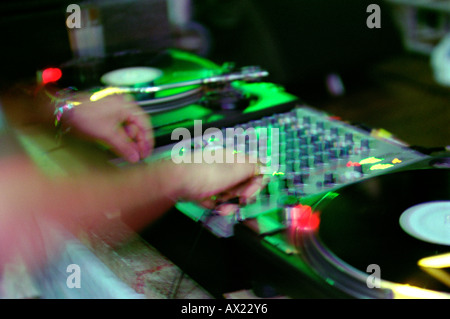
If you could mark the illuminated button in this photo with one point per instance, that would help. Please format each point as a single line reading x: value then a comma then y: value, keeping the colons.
x: 380, y: 166
x: 301, y: 217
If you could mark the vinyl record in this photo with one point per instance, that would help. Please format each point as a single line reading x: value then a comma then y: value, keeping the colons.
x: 172, y: 66
x: 392, y: 221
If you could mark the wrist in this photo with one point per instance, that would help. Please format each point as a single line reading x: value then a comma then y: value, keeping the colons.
x: 62, y: 114
x: 174, y: 177
x: 65, y: 103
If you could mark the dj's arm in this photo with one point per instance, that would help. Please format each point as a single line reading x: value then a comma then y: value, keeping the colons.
x: 115, y: 121
x: 140, y: 194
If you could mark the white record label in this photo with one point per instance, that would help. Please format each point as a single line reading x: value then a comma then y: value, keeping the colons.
x: 429, y: 222
x: 131, y: 76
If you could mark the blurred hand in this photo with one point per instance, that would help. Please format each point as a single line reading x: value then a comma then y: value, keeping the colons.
x: 116, y: 121
x: 214, y: 185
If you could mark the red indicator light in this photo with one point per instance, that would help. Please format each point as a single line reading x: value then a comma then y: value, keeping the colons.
x: 304, y: 218
x: 51, y: 75
x: 352, y: 164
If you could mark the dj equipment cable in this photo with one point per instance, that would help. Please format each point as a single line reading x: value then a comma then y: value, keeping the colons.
x: 207, y: 215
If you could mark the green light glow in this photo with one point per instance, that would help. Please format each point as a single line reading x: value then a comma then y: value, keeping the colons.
x: 182, y: 55
x: 331, y: 195
x: 330, y: 281
x: 268, y: 95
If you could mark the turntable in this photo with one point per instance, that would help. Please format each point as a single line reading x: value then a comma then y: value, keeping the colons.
x: 385, y: 237
x: 176, y: 88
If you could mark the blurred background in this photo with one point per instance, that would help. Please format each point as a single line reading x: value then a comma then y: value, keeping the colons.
x: 320, y: 50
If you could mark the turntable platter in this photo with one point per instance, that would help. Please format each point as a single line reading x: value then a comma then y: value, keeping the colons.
x: 365, y: 225
x: 167, y: 67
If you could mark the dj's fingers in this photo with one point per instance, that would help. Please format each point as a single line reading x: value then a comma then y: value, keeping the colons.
x: 241, y: 194
x: 142, y: 121
x: 120, y: 144
x: 226, y: 209
x: 136, y: 116
x: 219, y: 209
x: 138, y: 136
x: 236, y: 195
x: 245, y: 192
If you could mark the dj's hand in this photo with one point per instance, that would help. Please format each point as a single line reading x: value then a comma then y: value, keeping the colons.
x: 115, y: 121
x: 220, y: 186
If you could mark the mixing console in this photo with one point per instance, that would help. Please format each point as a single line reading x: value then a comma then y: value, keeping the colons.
x: 306, y: 154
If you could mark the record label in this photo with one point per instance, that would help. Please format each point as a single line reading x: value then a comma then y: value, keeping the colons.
x: 131, y: 76
x: 429, y: 222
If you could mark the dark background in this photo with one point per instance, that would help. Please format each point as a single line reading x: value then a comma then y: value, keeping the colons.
x: 298, y: 42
